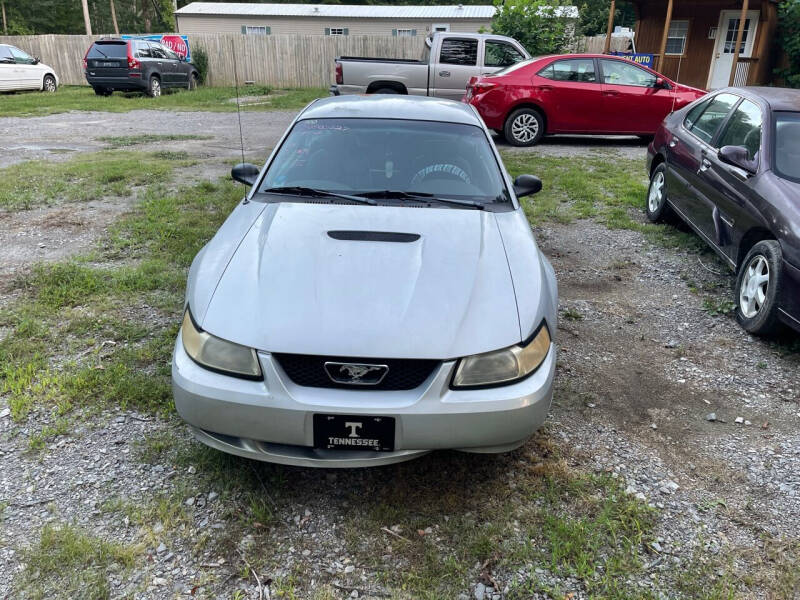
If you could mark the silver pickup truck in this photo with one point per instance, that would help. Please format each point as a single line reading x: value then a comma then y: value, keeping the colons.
x: 448, y: 61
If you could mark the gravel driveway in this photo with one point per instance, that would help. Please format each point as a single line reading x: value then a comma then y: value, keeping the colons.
x: 694, y: 416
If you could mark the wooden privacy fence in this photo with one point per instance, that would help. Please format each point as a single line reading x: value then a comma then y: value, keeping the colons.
x: 276, y: 60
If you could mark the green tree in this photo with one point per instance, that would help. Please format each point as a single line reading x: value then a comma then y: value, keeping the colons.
x: 594, y: 15
x: 789, y: 40
x: 536, y: 24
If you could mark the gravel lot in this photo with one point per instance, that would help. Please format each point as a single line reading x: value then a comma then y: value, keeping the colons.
x: 651, y: 388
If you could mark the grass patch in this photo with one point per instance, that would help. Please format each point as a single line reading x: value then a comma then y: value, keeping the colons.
x: 83, y: 98
x: 85, y: 177
x: 585, y: 187
x: 124, y: 141
x: 73, y: 339
x: 69, y: 562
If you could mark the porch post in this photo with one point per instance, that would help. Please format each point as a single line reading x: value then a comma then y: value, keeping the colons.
x: 609, y: 28
x: 664, y: 37
x: 739, y: 36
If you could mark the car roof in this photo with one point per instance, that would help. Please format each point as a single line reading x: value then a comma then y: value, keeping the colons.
x: 776, y: 97
x: 391, y: 106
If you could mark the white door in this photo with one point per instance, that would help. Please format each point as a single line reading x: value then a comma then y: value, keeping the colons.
x: 726, y: 45
x: 29, y: 75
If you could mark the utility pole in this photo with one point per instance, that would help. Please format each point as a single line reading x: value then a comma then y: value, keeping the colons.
x: 86, y: 17
x: 5, y: 24
x: 114, y: 18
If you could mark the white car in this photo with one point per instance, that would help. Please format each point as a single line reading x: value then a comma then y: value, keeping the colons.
x: 20, y: 71
x: 377, y: 295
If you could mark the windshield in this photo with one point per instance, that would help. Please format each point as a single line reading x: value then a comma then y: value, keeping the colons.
x: 357, y: 156
x: 787, y: 145
x: 112, y: 50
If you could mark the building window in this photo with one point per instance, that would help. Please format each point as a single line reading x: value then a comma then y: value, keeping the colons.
x: 256, y: 30
x: 336, y: 31
x: 404, y: 32
x: 676, y: 38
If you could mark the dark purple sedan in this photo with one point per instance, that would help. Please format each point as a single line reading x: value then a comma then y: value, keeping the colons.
x: 729, y: 165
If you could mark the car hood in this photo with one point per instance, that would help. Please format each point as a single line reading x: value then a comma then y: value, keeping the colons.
x: 687, y: 89
x: 291, y: 287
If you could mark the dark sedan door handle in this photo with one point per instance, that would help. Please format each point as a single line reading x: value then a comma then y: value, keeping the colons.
x: 444, y: 73
x: 704, y: 166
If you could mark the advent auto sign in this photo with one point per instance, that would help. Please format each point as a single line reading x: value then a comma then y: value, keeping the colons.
x: 179, y: 44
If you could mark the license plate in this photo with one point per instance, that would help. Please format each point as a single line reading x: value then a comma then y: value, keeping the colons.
x: 109, y: 64
x: 354, y: 432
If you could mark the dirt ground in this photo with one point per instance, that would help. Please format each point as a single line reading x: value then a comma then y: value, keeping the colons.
x: 643, y: 363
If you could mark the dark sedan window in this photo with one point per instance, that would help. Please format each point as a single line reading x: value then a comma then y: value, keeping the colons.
x: 707, y: 124
x: 787, y: 145
x: 112, y: 50
x: 143, y: 50
x: 744, y: 129
x: 449, y: 160
x: 459, y: 52
x: 694, y: 113
x: 574, y: 69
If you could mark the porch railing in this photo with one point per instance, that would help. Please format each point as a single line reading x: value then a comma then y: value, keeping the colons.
x: 743, y: 70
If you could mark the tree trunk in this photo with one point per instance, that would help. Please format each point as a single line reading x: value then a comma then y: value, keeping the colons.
x: 114, y: 17
x: 86, y: 19
x: 5, y: 24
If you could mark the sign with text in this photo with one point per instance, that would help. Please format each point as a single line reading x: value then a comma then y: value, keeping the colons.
x: 646, y: 60
x: 179, y: 44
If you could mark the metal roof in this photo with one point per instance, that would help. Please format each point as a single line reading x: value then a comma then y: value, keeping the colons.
x: 391, y: 106
x: 241, y: 9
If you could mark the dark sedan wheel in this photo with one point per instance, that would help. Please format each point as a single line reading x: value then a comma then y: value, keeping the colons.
x: 657, y: 194
x: 524, y: 127
x: 758, y: 285
x: 154, y: 87
x: 193, y: 81
x: 49, y: 83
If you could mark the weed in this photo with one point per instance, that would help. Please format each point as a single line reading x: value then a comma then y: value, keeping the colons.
x: 123, y: 141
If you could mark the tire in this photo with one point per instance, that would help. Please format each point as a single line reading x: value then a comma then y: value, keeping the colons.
x: 193, y: 82
x: 758, y: 287
x: 154, y: 87
x: 386, y: 91
x: 103, y: 91
x: 524, y: 127
x: 656, y: 208
x: 49, y: 84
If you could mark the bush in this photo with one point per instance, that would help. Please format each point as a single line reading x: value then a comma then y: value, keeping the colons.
x: 200, y: 60
x: 789, y: 39
x: 535, y: 24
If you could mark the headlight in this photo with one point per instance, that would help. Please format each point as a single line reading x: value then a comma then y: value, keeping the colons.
x: 502, y: 367
x: 216, y: 354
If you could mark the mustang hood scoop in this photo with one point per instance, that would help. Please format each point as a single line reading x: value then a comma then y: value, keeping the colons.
x: 322, y: 279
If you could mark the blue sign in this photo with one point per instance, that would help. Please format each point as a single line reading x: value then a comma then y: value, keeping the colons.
x: 179, y: 44
x: 646, y: 60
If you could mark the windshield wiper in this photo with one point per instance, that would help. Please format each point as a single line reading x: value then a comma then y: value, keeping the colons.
x: 100, y: 51
x: 297, y: 190
x: 391, y: 194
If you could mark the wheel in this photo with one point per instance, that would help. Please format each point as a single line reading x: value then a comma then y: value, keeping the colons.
x: 192, y: 82
x: 758, y: 284
x: 154, y: 87
x: 524, y: 127
x: 100, y: 91
x: 386, y: 91
x: 657, y: 208
x: 49, y: 84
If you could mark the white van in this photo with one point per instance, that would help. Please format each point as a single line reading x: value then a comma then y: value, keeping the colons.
x: 20, y: 71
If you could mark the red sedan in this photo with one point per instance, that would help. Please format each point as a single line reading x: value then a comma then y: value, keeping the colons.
x: 575, y: 93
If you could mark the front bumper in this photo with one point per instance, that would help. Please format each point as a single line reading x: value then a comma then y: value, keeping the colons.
x: 272, y: 420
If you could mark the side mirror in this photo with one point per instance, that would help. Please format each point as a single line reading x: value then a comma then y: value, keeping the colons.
x: 738, y: 156
x: 527, y: 185
x: 36, y: 60
x: 662, y: 84
x: 245, y: 173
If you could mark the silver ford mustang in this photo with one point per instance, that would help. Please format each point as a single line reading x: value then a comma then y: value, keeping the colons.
x: 377, y: 295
